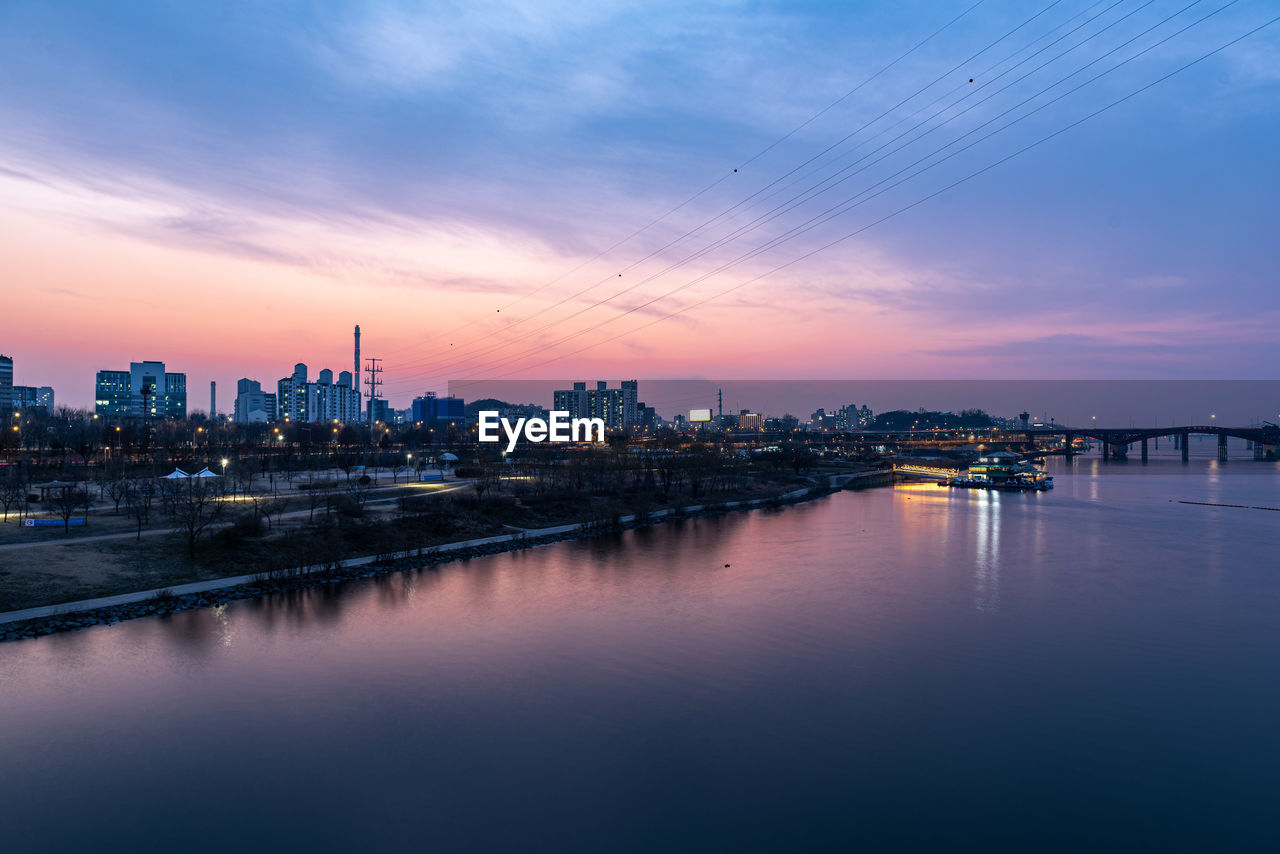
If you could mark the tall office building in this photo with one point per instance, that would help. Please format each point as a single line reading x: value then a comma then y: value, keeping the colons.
x: 111, y: 394
x: 24, y: 397
x: 430, y: 409
x: 44, y: 398
x: 6, y: 380
x: 145, y: 389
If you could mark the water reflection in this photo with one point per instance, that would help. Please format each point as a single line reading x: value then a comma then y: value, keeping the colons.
x: 631, y: 690
x: 987, y: 551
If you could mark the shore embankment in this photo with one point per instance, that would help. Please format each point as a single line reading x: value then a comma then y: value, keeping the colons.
x: 69, y: 616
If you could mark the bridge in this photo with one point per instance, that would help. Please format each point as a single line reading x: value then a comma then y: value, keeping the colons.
x: 1115, y: 441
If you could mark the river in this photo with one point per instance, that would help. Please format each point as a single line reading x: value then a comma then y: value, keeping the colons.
x: 911, y: 668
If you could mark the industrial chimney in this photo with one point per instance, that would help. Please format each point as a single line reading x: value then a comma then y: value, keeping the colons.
x: 213, y: 399
x: 355, y: 374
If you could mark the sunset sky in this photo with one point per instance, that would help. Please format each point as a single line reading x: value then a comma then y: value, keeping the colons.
x: 230, y: 187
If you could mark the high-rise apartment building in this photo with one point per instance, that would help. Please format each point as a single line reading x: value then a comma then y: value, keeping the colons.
x: 573, y: 401
x: 291, y: 395
x: 253, y: 405
x: 619, y: 407
x: 321, y: 401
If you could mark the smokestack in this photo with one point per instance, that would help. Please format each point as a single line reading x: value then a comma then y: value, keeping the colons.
x: 355, y: 374
x: 213, y: 399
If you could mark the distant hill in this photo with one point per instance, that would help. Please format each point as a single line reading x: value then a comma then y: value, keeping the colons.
x: 901, y: 419
x: 526, y: 410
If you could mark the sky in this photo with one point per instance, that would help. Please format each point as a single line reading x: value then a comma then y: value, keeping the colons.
x: 654, y: 189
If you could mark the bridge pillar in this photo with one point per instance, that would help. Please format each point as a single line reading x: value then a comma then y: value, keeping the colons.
x: 1222, y: 447
x: 1183, y: 437
x: 1258, y: 452
x: 1144, y: 450
x: 1106, y: 451
x: 1067, y: 451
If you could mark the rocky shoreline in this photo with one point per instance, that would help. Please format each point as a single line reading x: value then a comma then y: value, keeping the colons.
x: 306, y: 577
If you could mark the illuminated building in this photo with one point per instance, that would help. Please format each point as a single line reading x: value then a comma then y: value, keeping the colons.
x: 145, y: 389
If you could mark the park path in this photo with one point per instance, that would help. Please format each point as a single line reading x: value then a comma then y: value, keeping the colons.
x: 155, y: 532
x: 236, y: 581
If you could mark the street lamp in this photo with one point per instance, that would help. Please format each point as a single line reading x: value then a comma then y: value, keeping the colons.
x: 224, y: 465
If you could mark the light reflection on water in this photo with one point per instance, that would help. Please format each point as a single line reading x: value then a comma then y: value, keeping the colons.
x: 987, y: 557
x: 894, y: 668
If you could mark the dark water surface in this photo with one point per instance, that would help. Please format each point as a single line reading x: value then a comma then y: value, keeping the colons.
x: 901, y: 669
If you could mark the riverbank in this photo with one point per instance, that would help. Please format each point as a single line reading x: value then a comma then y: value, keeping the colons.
x: 69, y: 616
x: 234, y: 536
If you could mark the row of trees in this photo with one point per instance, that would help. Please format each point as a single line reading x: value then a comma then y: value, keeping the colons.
x: 72, y: 435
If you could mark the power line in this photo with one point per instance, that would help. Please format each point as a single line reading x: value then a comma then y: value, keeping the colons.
x: 727, y: 175
x: 837, y: 209
x: 809, y: 193
x: 926, y: 198
x: 810, y: 160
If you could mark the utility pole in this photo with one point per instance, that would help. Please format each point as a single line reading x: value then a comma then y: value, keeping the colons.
x: 373, y: 369
x: 720, y: 403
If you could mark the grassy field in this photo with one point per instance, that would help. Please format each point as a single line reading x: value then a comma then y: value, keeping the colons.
x: 397, y: 519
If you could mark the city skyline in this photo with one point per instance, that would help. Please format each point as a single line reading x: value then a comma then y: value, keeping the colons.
x: 234, y: 209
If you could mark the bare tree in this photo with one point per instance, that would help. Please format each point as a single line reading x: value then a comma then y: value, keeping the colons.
x: 138, y: 498
x: 270, y: 507
x: 66, y: 502
x: 317, y: 496
x: 245, y: 477
x: 195, y: 507
x: 13, y: 489
x: 113, y: 484
x: 485, y: 480
x: 357, y: 494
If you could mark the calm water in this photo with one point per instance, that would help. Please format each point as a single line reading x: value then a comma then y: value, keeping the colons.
x: 911, y: 668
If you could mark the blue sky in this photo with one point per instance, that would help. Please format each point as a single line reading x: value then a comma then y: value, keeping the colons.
x: 448, y: 158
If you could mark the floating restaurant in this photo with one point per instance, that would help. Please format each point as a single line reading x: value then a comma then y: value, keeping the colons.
x: 1002, y: 470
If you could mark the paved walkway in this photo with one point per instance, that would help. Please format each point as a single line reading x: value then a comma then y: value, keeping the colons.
x: 154, y: 532
x: 236, y: 581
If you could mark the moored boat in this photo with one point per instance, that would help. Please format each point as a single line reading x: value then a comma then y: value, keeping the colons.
x: 1002, y: 470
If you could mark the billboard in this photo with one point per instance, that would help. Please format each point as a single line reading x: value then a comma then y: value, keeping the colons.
x: 699, y: 414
